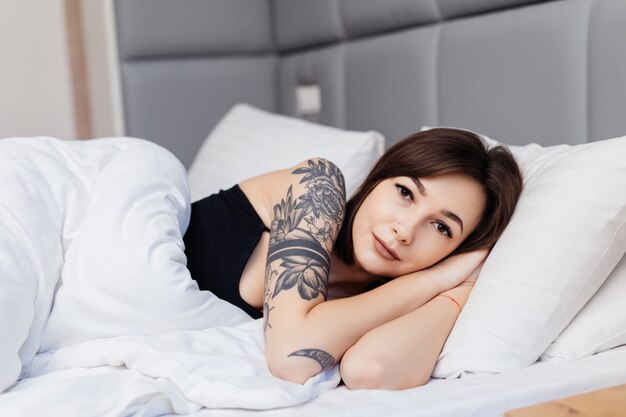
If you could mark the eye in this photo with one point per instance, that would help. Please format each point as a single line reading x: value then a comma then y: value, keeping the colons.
x: 404, y: 192
x: 443, y: 229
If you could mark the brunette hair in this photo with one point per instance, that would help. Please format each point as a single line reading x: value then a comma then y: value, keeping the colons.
x: 445, y: 151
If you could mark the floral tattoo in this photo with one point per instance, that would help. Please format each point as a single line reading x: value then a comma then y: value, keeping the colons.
x: 326, y: 190
x: 301, y: 240
x: 269, y: 276
x: 300, y: 228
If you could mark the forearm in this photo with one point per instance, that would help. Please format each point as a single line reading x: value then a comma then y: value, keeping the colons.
x: 345, y: 320
x: 432, y: 324
x: 374, y: 363
x: 334, y: 326
x: 331, y: 328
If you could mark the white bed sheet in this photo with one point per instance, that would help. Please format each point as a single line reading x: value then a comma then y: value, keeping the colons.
x: 477, y: 396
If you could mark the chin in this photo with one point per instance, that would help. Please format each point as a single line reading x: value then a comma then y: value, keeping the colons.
x: 375, y: 267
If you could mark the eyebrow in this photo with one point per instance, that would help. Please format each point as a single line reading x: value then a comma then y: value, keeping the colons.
x: 453, y: 217
x: 447, y: 213
x: 420, y: 186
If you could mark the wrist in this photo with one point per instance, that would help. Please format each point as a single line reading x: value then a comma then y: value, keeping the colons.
x: 430, y: 284
x: 418, y: 288
x: 460, y: 293
x: 431, y: 280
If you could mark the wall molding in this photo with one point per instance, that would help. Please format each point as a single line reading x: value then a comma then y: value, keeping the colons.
x: 78, y: 68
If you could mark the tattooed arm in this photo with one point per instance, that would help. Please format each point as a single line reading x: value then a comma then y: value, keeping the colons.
x: 305, y: 333
x: 302, y: 235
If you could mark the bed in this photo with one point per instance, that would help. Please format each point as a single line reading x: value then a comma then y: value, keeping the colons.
x: 215, y: 82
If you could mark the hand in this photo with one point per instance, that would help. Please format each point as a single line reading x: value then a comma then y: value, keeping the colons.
x: 458, y: 269
x: 473, y: 277
x: 461, y: 292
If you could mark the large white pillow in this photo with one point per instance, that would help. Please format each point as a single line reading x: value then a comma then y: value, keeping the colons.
x: 248, y: 141
x: 567, y: 233
x: 599, y: 326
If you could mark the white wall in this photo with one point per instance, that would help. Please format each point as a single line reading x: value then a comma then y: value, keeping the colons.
x: 35, y: 79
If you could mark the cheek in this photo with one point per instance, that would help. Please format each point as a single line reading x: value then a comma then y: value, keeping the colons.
x: 359, y: 239
x: 428, y: 249
x: 361, y: 220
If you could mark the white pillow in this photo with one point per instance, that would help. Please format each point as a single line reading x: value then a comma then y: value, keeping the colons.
x: 249, y: 141
x: 599, y: 326
x: 566, y: 235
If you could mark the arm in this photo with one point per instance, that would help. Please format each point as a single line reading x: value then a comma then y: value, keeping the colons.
x: 374, y: 363
x: 304, y: 332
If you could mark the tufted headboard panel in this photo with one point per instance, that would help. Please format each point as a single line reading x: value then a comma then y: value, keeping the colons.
x: 518, y: 70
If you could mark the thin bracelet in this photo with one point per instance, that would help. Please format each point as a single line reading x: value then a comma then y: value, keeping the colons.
x: 453, y: 300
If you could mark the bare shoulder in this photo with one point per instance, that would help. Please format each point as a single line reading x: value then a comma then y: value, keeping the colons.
x: 317, y: 180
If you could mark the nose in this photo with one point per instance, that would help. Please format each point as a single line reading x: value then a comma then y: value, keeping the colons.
x: 404, y: 231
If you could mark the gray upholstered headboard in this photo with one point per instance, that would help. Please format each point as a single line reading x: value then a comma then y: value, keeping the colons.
x: 519, y: 70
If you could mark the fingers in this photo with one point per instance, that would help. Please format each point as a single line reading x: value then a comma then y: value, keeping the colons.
x: 466, y: 262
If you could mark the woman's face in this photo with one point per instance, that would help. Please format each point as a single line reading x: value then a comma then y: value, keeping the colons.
x: 407, y: 224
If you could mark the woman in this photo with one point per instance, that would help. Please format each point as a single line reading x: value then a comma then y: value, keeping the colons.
x: 358, y: 282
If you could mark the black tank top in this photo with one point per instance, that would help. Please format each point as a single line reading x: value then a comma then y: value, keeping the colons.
x: 223, y: 231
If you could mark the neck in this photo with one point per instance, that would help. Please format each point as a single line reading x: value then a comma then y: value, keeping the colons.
x: 342, y: 273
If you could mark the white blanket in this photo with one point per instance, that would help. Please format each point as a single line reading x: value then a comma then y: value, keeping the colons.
x: 98, y: 313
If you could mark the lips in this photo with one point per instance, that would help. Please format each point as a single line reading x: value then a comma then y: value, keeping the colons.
x: 385, y: 250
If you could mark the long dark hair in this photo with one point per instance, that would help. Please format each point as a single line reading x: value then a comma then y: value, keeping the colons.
x: 445, y: 151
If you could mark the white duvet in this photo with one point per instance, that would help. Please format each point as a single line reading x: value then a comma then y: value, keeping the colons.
x: 98, y: 313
